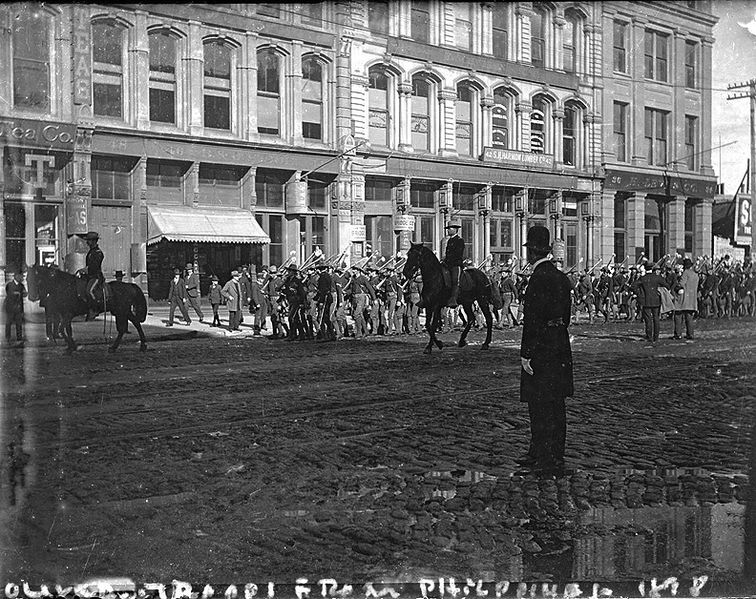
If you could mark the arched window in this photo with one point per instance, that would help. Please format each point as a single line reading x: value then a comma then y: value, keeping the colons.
x: 378, y: 106
x: 571, y: 134
x: 269, y: 92
x: 422, y: 112
x: 31, y: 60
x: 162, y: 77
x: 217, y: 92
x: 107, y: 74
x: 466, y: 118
x: 540, y: 126
x: 538, y: 21
x: 503, y: 119
x: 312, y: 98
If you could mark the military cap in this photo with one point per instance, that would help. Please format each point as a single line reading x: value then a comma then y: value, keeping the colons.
x: 235, y: 273
x: 273, y: 269
x: 189, y: 266
x: 176, y: 271
x: 292, y: 268
x: 214, y: 278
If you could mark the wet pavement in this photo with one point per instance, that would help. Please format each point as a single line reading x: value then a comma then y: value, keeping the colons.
x: 228, y: 459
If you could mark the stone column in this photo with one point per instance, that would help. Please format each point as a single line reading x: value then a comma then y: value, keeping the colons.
x: 139, y: 59
x: 559, y: 23
x: 485, y: 212
x: 194, y: 79
x: 523, y: 110
x: 676, y: 225
x: 359, y: 106
x: 405, y: 117
x: 637, y: 121
x: 292, y: 116
x: 676, y: 130
x: 636, y: 225
x: 448, y: 98
x: 191, y: 197
x: 557, y: 143
x: 702, y: 239
x: 486, y: 135
x: 484, y: 29
x: 522, y: 26
x: 248, y: 191
x: 139, y: 231
x: 705, y: 117
x: 79, y: 172
x: 249, y: 86
x: 3, y: 257
x: 605, y: 232
x: 358, y: 211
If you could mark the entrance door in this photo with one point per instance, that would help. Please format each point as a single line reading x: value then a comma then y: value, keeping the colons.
x: 113, y: 223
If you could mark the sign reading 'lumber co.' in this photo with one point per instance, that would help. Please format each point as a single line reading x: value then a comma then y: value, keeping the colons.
x: 516, y: 157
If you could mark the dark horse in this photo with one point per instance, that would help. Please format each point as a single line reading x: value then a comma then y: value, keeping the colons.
x: 124, y: 300
x: 474, y: 285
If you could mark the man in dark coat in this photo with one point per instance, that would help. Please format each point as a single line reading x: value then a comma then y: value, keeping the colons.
x: 15, y: 292
x: 193, y: 290
x: 647, y: 290
x: 91, y: 288
x: 324, y: 300
x: 546, y: 378
x: 454, y: 257
x: 177, y: 298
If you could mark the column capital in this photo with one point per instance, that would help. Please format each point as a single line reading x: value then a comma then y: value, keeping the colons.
x: 560, y: 21
x: 487, y: 103
x: 557, y: 114
x: 447, y: 94
x: 707, y: 41
x: 523, y: 107
x: 405, y: 88
x: 360, y: 80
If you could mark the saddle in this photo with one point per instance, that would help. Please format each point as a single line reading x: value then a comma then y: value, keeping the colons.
x: 465, y: 279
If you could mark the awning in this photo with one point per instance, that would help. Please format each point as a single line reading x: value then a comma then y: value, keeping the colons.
x: 182, y: 223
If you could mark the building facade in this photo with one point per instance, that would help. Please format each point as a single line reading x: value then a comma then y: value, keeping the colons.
x: 230, y: 134
x: 658, y: 185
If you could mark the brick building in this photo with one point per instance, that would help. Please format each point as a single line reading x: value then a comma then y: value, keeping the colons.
x: 252, y: 133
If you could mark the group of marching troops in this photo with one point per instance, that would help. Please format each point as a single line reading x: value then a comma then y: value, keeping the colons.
x: 313, y: 301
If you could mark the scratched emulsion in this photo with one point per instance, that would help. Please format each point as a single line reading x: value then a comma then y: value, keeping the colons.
x: 250, y: 461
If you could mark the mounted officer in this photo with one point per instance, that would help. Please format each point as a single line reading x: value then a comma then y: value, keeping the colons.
x: 91, y: 280
x: 454, y: 257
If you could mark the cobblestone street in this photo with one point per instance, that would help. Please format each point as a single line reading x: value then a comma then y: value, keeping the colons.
x: 228, y: 459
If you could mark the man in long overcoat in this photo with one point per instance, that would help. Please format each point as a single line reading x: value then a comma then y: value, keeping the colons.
x: 546, y: 378
x: 686, y: 301
x: 647, y: 290
x: 232, y: 291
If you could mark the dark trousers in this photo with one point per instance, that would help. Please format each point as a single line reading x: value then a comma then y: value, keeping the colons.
x: 548, y: 428
x: 216, y: 316
x: 14, y: 319
x: 687, y: 316
x: 178, y: 302
x: 195, y: 303
x: 651, y: 319
x: 233, y: 320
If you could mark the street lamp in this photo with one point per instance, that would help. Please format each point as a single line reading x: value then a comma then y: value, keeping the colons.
x: 521, y: 211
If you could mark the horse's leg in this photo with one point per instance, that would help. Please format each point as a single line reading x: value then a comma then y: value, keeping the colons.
x: 489, y: 322
x: 437, y: 314
x: 121, y: 324
x: 467, y: 307
x: 138, y: 326
x: 67, y: 329
x: 430, y: 326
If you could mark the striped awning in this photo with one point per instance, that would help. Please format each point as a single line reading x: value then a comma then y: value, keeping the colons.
x: 183, y: 223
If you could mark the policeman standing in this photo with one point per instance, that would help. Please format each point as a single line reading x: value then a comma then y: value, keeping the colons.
x: 454, y: 257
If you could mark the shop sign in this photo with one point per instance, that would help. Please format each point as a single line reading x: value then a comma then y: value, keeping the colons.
x: 296, y: 197
x: 82, y: 57
x: 76, y: 214
x: 659, y: 184
x: 504, y: 156
x: 358, y: 233
x: 404, y: 223
x: 24, y: 132
x: 557, y: 250
x: 743, y: 220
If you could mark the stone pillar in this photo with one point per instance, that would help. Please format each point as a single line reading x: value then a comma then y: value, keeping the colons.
x: 636, y: 225
x: 705, y: 117
x: 702, y: 239
x: 139, y: 59
x: 558, y: 120
x: 676, y: 128
x: 605, y: 232
x: 3, y: 257
x: 248, y: 191
x: 292, y: 126
x: 191, y: 197
x: 484, y: 29
x: 486, y: 132
x: 676, y: 225
x: 523, y: 110
x: 448, y: 98
x: 405, y: 117
x: 79, y: 191
x: 637, y: 121
x: 249, y: 87
x: 559, y: 23
x: 485, y: 212
x: 194, y: 79
x: 402, y: 207
x: 139, y: 230
x: 358, y: 211
x: 359, y: 106
x: 522, y: 26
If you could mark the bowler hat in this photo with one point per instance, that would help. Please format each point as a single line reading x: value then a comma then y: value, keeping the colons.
x: 92, y: 236
x: 234, y: 273
x: 119, y: 273
x: 538, y: 239
x: 176, y: 271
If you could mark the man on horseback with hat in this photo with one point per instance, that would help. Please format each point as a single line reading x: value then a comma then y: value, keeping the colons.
x: 91, y: 279
x: 453, y: 257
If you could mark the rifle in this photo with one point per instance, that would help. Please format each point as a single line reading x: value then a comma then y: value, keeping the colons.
x: 660, y: 260
x: 599, y: 261
x: 574, y: 266
x: 622, y: 264
x: 640, y: 259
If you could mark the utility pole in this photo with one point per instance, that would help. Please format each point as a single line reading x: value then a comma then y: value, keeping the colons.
x: 751, y: 93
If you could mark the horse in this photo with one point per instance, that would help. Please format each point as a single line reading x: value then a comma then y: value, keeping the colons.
x: 59, y: 289
x: 474, y: 285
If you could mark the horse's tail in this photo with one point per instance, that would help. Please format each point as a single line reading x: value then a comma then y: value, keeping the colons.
x: 139, y: 304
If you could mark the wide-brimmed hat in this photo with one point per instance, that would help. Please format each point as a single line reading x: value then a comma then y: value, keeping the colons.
x: 189, y: 266
x: 539, y: 239
x: 214, y: 278
x: 235, y: 273
x: 453, y: 224
x: 92, y: 236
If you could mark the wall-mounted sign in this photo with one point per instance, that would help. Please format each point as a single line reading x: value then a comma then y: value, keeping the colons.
x: 743, y: 219
x: 504, y: 156
x: 296, y: 197
x: 659, y: 184
x: 404, y: 223
x: 76, y: 214
x: 358, y: 233
x: 40, y: 134
x: 557, y: 250
x: 82, y: 56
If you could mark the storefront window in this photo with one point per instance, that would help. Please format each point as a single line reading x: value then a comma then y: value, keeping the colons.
x: 269, y: 188
x: 15, y: 235
x: 379, y: 234
x: 46, y: 233
x: 378, y: 190
x: 427, y: 230
x: 501, y: 201
x: 422, y: 195
x: 317, y: 192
